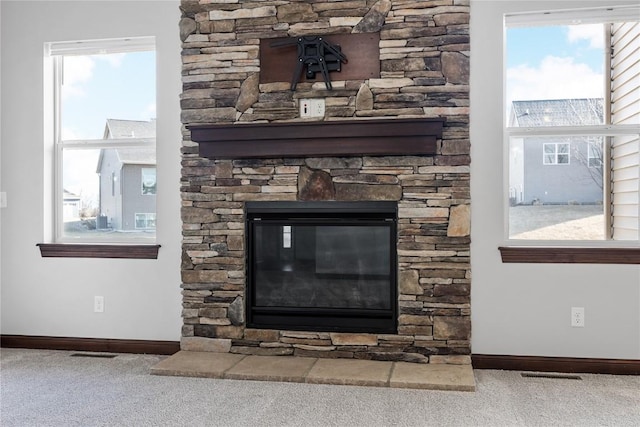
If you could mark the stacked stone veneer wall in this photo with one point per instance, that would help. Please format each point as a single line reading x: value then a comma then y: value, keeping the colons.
x: 424, y: 53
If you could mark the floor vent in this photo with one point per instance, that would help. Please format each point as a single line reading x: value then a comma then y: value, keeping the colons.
x: 95, y: 355
x: 551, y: 376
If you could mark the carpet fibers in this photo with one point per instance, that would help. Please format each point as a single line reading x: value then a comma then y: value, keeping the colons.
x: 52, y: 388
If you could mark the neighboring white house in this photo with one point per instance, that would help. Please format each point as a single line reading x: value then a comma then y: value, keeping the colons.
x: 71, y: 206
x: 128, y: 178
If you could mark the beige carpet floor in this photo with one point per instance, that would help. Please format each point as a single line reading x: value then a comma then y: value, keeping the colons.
x: 55, y: 388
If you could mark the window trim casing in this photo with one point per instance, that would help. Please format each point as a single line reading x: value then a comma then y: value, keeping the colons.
x: 562, y: 251
x: 91, y: 248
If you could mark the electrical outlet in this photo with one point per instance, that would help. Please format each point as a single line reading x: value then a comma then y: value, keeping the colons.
x: 98, y: 304
x: 312, y: 107
x: 577, y: 317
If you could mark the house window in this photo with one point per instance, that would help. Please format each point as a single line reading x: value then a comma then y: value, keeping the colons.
x: 146, y: 221
x: 573, y: 97
x: 594, y: 154
x: 555, y: 153
x: 104, y: 99
x: 148, y: 181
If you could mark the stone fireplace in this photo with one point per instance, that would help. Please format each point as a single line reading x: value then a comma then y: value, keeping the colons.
x: 245, y: 148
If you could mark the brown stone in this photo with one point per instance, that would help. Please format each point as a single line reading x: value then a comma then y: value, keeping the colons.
x: 459, y: 221
x: 315, y: 185
x: 456, y: 146
x: 334, y: 162
x: 296, y: 12
x: 198, y: 215
x: 261, y: 335
x: 203, y: 276
x: 444, y: 19
x: 215, y: 345
x: 373, y: 21
x: 187, y: 27
x: 232, y: 332
x: 410, y: 283
x: 408, y: 319
x: 356, y: 192
x: 462, y: 289
x: 249, y: 93
x: 262, y: 351
x: 448, y: 328
x: 455, y: 67
x: 212, y: 312
x: 353, y: 339
x: 364, y: 98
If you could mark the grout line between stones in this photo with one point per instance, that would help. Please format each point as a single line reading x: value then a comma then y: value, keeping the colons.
x: 393, y: 368
x: 305, y: 376
x: 224, y: 373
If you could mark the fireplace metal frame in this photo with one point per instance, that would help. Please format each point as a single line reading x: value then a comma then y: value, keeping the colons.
x: 323, y: 319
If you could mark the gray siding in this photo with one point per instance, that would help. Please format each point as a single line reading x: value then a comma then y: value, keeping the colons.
x: 562, y: 183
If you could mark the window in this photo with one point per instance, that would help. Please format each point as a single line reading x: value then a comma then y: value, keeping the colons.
x: 573, y: 98
x: 146, y: 221
x: 555, y: 153
x: 104, y: 122
x: 149, y: 181
x: 594, y: 155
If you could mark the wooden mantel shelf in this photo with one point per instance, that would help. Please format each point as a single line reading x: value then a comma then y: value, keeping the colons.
x: 389, y: 137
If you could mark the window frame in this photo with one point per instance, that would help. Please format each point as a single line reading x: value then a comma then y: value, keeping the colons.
x: 62, y: 246
x: 564, y: 251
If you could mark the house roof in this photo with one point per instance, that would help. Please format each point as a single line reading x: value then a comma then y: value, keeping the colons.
x: 68, y: 195
x: 557, y: 112
x: 117, y: 128
x: 122, y: 129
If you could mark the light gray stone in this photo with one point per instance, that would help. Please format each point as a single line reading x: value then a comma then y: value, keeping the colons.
x: 459, y: 221
x: 373, y: 21
x: 187, y: 27
x: 455, y: 67
x: 236, y: 311
x: 364, y: 98
x: 410, y: 283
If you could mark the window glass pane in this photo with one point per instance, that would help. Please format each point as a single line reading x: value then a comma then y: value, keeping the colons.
x: 80, y: 198
x: 549, y: 202
x: 149, y: 180
x: 101, y: 196
x: 105, y: 97
x: 95, y: 88
x: 555, y: 75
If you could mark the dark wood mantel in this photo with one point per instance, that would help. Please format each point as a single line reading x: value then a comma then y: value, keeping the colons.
x: 389, y: 137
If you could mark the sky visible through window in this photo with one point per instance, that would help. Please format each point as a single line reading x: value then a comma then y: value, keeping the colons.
x: 96, y: 88
x: 101, y: 87
x: 555, y: 62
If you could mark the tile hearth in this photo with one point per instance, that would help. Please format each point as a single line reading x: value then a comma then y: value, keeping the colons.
x: 318, y: 371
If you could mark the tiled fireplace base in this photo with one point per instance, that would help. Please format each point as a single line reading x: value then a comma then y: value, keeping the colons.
x: 318, y: 371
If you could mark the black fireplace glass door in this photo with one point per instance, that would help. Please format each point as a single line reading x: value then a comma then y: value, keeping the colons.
x: 324, y: 266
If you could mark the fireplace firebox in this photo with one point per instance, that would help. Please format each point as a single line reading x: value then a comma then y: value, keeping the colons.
x: 322, y: 266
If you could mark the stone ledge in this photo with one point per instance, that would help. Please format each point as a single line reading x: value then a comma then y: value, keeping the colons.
x: 318, y: 371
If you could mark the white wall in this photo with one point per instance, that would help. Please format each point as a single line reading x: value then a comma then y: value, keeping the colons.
x: 524, y: 309
x: 54, y: 296
x: 518, y: 309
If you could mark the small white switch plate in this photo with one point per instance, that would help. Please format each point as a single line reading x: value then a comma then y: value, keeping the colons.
x: 577, y: 317
x: 313, y: 107
x: 3, y: 199
x: 98, y: 304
